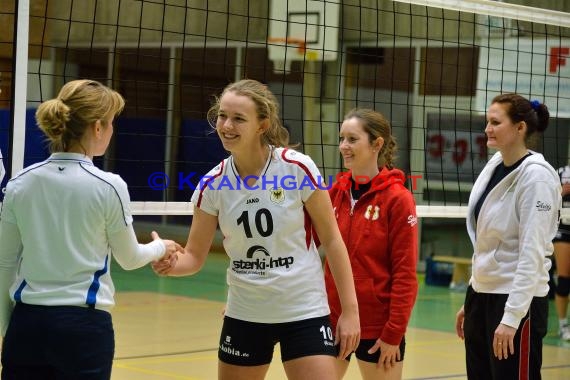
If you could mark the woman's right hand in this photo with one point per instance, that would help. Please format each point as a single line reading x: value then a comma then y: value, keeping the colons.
x: 347, y: 334
x: 164, y: 266
x: 459, y: 319
x: 168, y: 261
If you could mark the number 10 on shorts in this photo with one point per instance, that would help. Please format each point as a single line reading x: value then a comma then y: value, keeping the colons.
x: 327, y: 335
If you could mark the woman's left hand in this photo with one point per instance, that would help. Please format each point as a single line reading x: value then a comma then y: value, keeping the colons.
x: 389, y: 354
x: 504, y: 341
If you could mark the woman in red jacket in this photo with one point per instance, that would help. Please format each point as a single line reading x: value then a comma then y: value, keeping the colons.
x: 376, y: 215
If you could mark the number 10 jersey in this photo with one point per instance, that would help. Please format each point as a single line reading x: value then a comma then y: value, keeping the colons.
x: 275, y: 273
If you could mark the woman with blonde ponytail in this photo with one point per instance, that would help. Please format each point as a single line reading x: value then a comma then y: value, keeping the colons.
x: 62, y: 219
x: 266, y: 200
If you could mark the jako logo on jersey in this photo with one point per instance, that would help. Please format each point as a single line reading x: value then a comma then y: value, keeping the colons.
x: 277, y: 195
x: 541, y: 206
x: 252, y: 200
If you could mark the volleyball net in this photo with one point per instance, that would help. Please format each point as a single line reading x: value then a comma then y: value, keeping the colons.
x: 431, y: 67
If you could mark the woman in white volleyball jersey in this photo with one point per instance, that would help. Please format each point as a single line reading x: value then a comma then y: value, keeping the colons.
x: 61, y: 221
x: 268, y: 200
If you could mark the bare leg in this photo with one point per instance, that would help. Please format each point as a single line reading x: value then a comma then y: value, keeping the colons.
x: 341, y: 367
x: 238, y: 372
x: 370, y: 371
x: 562, y: 255
x: 320, y: 367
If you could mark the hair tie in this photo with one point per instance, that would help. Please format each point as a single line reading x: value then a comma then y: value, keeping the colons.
x: 535, y: 104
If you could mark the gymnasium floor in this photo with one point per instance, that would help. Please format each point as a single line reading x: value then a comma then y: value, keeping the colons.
x: 168, y: 328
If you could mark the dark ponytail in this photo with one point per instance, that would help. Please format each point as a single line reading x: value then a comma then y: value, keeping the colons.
x: 534, y: 113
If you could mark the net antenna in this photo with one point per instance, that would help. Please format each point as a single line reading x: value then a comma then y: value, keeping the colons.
x: 301, y: 30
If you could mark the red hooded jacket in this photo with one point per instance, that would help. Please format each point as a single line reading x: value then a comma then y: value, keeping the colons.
x: 381, y: 235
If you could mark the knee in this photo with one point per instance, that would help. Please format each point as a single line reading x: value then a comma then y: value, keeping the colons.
x: 563, y: 286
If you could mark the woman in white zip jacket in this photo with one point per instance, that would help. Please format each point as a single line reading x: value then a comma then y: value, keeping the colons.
x: 512, y: 218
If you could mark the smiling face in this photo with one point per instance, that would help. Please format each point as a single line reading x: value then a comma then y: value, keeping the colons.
x: 237, y: 123
x: 502, y: 133
x: 358, y: 153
